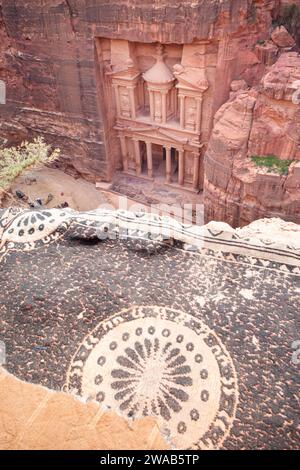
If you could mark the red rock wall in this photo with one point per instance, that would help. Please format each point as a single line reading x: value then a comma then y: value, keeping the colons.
x: 51, y: 67
x: 49, y: 63
x: 256, y: 122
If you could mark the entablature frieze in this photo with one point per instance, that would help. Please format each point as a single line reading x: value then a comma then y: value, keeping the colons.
x: 160, y: 137
x: 171, y: 126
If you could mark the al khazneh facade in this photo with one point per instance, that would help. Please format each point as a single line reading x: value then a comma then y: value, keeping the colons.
x: 157, y: 94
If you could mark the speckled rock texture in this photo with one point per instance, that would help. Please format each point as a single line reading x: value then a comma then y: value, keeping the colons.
x: 200, y: 336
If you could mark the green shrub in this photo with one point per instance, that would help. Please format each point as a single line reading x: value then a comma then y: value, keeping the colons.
x: 272, y: 163
x: 15, y: 160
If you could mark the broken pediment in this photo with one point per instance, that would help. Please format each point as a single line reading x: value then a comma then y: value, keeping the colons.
x: 127, y: 71
x: 191, y: 77
x: 154, y: 133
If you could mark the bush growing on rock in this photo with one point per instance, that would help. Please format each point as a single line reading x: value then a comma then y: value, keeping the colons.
x: 272, y: 163
x: 15, y: 160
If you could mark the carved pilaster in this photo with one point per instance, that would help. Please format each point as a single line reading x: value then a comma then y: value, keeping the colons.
x: 182, y: 111
x: 151, y: 102
x: 181, y: 166
x: 117, y: 98
x: 149, y: 159
x: 124, y: 152
x: 164, y: 107
x: 198, y: 114
x: 168, y: 165
x: 132, y: 103
x: 138, y: 161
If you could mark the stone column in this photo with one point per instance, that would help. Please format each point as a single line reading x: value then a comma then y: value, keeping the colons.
x: 181, y: 166
x: 138, y: 162
x: 116, y: 88
x: 182, y: 111
x: 149, y: 159
x: 164, y: 107
x: 196, y: 171
x: 168, y: 165
x: 132, y: 103
x: 175, y: 100
x: 198, y: 114
x: 151, y: 102
x: 124, y: 152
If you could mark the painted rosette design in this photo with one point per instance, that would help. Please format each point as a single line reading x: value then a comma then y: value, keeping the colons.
x: 151, y: 360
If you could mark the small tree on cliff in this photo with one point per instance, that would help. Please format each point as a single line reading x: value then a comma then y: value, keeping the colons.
x: 15, y: 160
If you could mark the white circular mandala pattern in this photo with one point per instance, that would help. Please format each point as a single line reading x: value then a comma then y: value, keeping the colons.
x: 161, y: 362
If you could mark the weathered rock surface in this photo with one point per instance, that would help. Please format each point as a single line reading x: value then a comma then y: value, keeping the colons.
x: 282, y: 38
x: 49, y: 63
x: 256, y: 122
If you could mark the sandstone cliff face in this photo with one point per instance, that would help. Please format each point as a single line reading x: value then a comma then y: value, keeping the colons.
x: 49, y: 63
x: 256, y: 122
x: 51, y: 68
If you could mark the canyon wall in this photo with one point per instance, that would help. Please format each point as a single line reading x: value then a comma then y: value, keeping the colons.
x: 50, y: 64
x: 256, y: 122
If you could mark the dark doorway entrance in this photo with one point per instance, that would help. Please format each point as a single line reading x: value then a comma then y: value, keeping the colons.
x: 174, y: 162
x: 159, y: 161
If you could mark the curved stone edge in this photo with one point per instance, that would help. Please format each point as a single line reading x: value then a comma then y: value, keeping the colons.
x: 33, y: 417
x: 270, y: 239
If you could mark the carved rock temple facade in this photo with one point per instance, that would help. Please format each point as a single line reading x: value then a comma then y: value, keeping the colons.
x: 158, y: 94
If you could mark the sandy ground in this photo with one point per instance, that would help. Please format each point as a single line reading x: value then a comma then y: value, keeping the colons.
x: 78, y: 193
x: 134, y: 195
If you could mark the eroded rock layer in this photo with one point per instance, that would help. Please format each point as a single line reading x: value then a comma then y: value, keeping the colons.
x: 256, y: 122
